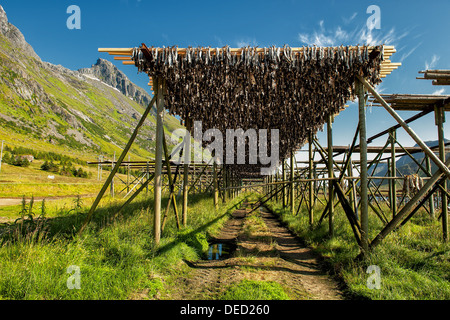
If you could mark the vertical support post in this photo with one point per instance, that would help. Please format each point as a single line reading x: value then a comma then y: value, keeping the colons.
x: 224, y: 183
x: 292, y: 200
x: 363, y: 165
x: 128, y: 175
x: 330, y: 175
x: 392, y: 137
x: 389, y: 173
x: 216, y: 186
x: 311, y: 183
x: 271, y: 185
x: 112, y: 181
x: 351, y: 183
x: 439, y: 113
x: 231, y: 184
x: 276, y: 186
x: 147, y: 175
x: 316, y: 192
x: 283, y: 168
x: 187, y: 158
x: 431, y: 201
x: 158, y: 158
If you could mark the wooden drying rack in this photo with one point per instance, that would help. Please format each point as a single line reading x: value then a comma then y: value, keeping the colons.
x: 125, y: 55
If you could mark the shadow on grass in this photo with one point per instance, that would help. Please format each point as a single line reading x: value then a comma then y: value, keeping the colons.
x: 192, y: 234
x: 66, y: 226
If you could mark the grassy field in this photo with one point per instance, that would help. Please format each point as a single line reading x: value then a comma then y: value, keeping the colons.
x: 115, y: 258
x: 16, y: 182
x: 414, y: 263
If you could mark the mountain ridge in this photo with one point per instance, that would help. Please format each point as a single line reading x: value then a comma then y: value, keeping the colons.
x: 405, y: 165
x: 107, y: 72
x: 92, y: 111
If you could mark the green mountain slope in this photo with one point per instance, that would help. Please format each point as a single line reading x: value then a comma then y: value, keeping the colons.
x: 52, y: 108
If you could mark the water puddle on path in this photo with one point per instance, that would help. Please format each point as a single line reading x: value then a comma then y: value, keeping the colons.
x: 220, y: 250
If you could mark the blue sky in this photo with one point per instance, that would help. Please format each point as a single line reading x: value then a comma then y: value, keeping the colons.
x: 418, y: 29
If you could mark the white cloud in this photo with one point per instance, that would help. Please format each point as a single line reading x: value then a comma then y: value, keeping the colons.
x: 348, y: 20
x: 358, y: 35
x: 407, y: 54
x: 432, y: 63
x: 439, y: 91
x: 219, y: 41
x: 324, y: 37
x: 247, y: 42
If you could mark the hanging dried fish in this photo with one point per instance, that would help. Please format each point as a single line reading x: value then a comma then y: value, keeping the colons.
x: 268, y: 88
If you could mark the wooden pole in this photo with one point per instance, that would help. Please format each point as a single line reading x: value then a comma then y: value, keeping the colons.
x: 216, y: 186
x: 187, y: 157
x: 171, y: 183
x: 147, y: 173
x: 128, y: 174
x: 330, y: 175
x: 224, y: 183
x: 119, y: 161
x: 284, y: 186
x: 431, y: 201
x: 363, y: 164
x: 405, y: 126
x: 389, y: 169
x: 276, y: 180
x: 316, y: 192
x: 392, y: 137
x: 351, y: 184
x: 311, y: 183
x: 112, y: 181
x: 364, y: 213
x: 158, y: 158
x: 439, y: 113
x: 292, y: 196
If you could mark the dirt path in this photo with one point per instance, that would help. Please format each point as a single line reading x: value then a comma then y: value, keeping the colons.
x: 272, y: 255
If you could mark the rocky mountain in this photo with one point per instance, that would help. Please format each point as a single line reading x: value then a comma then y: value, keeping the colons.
x: 406, y: 165
x: 109, y: 74
x: 93, y: 110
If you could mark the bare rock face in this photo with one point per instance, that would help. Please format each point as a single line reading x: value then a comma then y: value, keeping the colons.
x: 108, y: 73
x: 14, y: 35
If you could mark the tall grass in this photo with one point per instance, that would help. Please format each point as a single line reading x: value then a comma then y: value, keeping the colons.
x: 414, y: 262
x: 117, y: 259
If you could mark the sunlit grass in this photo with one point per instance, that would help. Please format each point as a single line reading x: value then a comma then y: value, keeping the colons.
x: 117, y: 258
x: 414, y: 262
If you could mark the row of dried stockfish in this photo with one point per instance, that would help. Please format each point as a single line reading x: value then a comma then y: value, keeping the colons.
x: 261, y: 88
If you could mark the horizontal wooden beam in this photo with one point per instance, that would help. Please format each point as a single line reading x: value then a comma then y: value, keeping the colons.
x: 182, y: 51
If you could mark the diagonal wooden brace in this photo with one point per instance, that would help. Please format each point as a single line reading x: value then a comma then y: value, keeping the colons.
x: 116, y: 167
x: 405, y: 126
x: 407, y: 208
